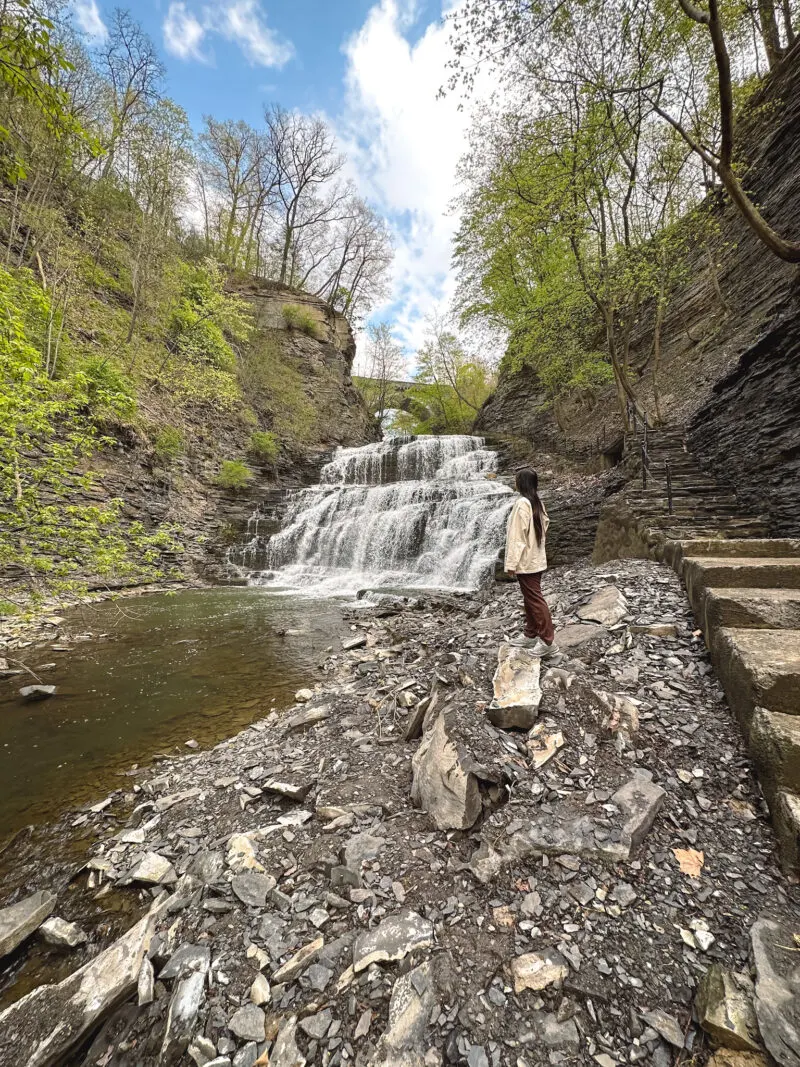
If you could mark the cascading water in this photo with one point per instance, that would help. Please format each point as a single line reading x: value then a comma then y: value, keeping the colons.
x: 408, y: 511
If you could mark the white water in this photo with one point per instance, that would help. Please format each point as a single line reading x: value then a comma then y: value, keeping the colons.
x: 409, y: 511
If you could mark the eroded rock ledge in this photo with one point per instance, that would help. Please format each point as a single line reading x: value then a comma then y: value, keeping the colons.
x: 596, y: 883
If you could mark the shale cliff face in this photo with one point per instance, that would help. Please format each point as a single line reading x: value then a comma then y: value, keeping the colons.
x: 730, y: 340
x: 311, y: 373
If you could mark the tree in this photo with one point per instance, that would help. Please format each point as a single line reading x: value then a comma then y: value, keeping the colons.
x: 383, y: 364
x: 133, y: 73
x: 306, y: 162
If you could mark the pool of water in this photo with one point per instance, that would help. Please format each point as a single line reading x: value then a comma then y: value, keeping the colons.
x: 160, y: 670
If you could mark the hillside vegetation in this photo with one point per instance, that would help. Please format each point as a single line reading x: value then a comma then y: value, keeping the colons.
x: 123, y: 325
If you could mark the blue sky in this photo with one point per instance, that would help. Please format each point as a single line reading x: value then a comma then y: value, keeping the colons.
x: 372, y: 67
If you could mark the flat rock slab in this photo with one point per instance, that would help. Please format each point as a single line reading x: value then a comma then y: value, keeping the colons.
x: 153, y: 869
x: 40, y: 1028
x: 724, y: 1005
x: 20, y: 920
x: 186, y: 960
x: 516, y: 681
x: 184, y: 1008
x: 392, y: 939
x: 538, y: 970
x: 607, y: 606
x: 304, y: 720
x: 777, y: 1002
x: 31, y: 693
x: 758, y: 668
x: 292, y: 790
x: 361, y: 849
x: 577, y: 634
x: 640, y: 801
x: 248, y: 1023
x: 253, y: 888
x: 298, y: 963
x: 412, y: 1004
x: 443, y: 784
x: 284, y: 1052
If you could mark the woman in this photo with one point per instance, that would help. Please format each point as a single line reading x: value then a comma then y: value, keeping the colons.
x: 526, y: 561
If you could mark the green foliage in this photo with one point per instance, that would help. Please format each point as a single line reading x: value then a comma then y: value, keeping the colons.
x: 206, y: 320
x: 300, y: 318
x: 265, y: 445
x: 48, y: 433
x: 233, y: 474
x: 275, y: 384
x: 168, y: 444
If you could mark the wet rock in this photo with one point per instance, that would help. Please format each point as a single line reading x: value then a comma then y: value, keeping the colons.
x: 412, y: 1004
x: 153, y: 869
x: 32, y: 693
x: 442, y: 784
x: 354, y: 642
x: 40, y: 1027
x: 20, y: 920
x: 184, y: 1007
x: 185, y: 960
x: 253, y: 888
x: 248, y: 1023
x: 517, y: 693
x: 777, y: 1002
x: 298, y: 963
x: 607, y: 606
x: 537, y: 971
x: 285, y: 1052
x: 59, y: 932
x: 302, y: 695
x: 724, y: 1006
x: 392, y: 939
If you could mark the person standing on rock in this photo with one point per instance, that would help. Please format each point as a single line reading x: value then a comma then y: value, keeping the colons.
x: 526, y: 560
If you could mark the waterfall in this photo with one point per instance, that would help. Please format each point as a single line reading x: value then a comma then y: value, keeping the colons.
x: 408, y: 511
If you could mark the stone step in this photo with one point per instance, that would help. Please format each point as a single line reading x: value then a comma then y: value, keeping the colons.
x: 775, y: 750
x: 720, y: 533
x: 758, y: 669
x: 746, y: 609
x: 702, y: 572
x: 771, y: 547
x: 785, y: 811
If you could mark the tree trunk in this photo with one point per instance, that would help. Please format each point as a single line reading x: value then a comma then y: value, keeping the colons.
x: 788, y: 28
x: 769, y: 32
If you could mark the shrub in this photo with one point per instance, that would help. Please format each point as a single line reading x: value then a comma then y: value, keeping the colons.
x: 233, y: 474
x: 265, y: 445
x: 299, y: 318
x: 168, y: 443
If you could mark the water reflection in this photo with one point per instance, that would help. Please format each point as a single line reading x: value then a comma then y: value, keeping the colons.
x: 199, y: 664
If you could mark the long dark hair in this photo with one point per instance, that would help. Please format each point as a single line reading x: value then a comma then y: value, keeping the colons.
x: 527, y: 486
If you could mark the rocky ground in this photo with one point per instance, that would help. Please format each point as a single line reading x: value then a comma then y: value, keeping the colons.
x: 413, y: 867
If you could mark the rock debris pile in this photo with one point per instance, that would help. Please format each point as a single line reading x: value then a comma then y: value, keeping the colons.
x: 449, y: 852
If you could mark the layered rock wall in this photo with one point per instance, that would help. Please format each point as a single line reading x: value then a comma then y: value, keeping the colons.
x: 730, y: 339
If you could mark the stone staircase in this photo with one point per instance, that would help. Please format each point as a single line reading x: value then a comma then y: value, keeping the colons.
x: 744, y: 589
x: 701, y: 506
x: 745, y: 594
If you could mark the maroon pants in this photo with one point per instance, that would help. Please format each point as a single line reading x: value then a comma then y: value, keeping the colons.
x: 538, y: 621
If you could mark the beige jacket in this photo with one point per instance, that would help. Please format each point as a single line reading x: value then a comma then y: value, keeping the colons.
x: 522, y: 553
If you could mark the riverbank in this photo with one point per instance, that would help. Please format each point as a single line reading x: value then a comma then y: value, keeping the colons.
x: 560, y: 900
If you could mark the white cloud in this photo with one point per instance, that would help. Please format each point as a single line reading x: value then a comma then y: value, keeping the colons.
x: 183, y: 33
x: 242, y: 22
x: 404, y: 143
x: 89, y: 19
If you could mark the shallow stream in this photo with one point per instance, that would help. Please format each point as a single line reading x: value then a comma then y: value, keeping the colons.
x: 169, y: 668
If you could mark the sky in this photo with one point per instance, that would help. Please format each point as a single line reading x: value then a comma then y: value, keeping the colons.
x: 372, y: 67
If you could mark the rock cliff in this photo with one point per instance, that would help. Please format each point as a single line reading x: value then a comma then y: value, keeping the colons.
x: 731, y: 337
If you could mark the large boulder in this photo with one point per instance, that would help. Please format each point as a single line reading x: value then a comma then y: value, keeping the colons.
x: 607, y: 606
x: 444, y: 784
x: 777, y: 1001
x: 43, y: 1026
x: 517, y: 693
